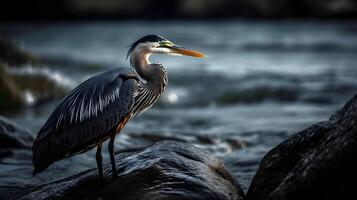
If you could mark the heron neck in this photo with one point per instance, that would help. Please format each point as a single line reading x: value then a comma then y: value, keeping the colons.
x: 139, y: 60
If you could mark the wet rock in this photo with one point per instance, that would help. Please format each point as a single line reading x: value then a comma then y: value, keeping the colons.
x: 165, y: 170
x: 15, y: 150
x: 13, y: 137
x: 15, y: 144
x: 316, y: 163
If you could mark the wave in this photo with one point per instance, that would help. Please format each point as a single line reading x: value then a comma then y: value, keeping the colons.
x: 220, y: 145
x: 299, y: 47
x: 259, y: 94
x: 40, y: 84
x: 53, y: 75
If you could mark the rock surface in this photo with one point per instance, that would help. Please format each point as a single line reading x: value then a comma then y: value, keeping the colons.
x: 13, y: 137
x: 15, y: 150
x: 165, y: 170
x: 316, y: 163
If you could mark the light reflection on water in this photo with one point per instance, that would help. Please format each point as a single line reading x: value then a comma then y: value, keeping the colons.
x: 260, y: 82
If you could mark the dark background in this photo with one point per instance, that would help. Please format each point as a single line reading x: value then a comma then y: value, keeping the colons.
x: 165, y: 9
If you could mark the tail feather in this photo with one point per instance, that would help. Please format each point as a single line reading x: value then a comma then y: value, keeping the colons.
x: 40, y: 157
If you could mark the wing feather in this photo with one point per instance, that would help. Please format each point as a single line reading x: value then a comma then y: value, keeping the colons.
x: 87, y: 114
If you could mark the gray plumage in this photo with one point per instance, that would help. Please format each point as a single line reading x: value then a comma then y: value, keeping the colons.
x: 86, y: 115
x: 100, y: 107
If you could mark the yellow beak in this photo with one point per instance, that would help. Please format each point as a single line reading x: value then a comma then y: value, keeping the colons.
x: 187, y: 52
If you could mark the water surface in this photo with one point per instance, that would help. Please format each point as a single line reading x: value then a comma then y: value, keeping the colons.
x: 260, y: 83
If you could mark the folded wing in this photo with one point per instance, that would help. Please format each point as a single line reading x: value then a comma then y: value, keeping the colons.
x: 85, y: 117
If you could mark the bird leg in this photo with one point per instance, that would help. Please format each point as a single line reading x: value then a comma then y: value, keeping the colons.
x: 111, y: 153
x: 99, y: 161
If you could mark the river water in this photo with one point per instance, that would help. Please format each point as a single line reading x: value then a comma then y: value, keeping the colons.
x: 260, y: 83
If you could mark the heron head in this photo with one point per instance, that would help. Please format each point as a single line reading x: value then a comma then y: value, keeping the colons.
x: 155, y: 44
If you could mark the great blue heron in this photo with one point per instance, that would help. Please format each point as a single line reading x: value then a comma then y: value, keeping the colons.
x: 100, y: 107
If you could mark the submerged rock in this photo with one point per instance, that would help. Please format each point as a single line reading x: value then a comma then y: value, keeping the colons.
x: 316, y: 163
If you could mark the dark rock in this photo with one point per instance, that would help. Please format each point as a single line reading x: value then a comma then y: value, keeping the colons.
x: 15, y: 155
x: 12, y: 55
x: 15, y: 150
x: 165, y: 170
x: 10, y: 95
x: 13, y: 137
x: 316, y: 163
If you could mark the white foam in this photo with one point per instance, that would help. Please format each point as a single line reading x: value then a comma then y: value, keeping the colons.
x: 53, y: 75
x: 30, y: 99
